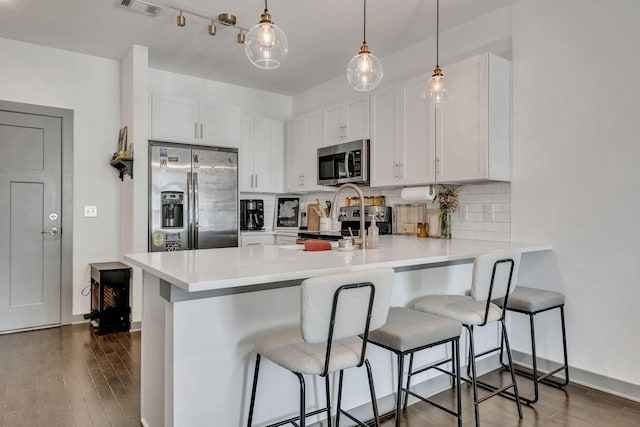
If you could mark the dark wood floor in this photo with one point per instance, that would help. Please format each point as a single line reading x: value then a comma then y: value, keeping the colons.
x: 70, y: 377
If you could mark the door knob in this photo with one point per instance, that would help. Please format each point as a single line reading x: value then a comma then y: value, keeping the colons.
x: 53, y: 231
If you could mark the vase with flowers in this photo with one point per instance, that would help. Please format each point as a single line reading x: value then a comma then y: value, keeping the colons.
x: 448, y: 197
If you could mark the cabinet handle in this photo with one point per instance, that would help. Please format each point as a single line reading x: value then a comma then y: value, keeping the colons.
x: 302, y: 176
x: 195, y: 130
x: 256, y: 186
x: 437, y: 166
x: 395, y: 170
x: 401, y: 169
x: 201, y: 131
x: 251, y: 181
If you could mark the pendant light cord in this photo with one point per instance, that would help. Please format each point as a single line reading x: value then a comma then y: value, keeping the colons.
x: 266, y: 9
x: 437, y: 33
x: 364, y: 31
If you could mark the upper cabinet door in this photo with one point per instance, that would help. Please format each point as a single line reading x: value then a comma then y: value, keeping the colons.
x: 418, y: 133
x: 385, y: 145
x: 268, y: 155
x: 334, y: 125
x: 295, y: 155
x: 304, y: 137
x: 245, y: 154
x: 473, y: 130
x: 174, y: 119
x: 219, y: 126
x: 357, y: 120
x: 313, y: 141
x: 346, y: 122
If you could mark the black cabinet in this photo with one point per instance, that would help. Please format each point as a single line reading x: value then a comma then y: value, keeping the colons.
x: 110, y: 308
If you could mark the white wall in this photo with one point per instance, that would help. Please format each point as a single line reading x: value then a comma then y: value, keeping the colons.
x: 575, y: 160
x: 89, y: 86
x: 575, y: 167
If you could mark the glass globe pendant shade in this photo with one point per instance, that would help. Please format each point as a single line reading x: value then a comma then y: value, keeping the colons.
x: 266, y: 44
x: 435, y: 92
x: 364, y: 71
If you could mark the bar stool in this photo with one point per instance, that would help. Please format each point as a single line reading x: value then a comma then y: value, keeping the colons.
x: 493, y: 275
x: 409, y: 331
x: 334, y: 311
x: 531, y: 301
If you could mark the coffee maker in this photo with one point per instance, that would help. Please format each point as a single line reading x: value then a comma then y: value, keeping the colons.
x: 251, y: 214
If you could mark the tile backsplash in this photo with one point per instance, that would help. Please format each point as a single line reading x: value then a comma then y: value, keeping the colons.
x: 484, y: 212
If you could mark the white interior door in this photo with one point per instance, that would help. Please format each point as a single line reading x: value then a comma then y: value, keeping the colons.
x: 30, y: 209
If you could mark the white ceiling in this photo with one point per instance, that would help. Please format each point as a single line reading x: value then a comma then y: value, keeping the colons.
x: 323, y: 34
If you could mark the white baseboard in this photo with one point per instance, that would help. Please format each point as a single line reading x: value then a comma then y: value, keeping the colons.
x: 589, y: 379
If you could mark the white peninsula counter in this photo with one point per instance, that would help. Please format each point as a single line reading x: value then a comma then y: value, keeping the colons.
x: 202, y: 311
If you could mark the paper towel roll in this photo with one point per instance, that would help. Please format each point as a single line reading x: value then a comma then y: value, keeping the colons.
x: 418, y: 193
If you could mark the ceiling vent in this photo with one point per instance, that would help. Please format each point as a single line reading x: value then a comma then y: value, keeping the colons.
x: 141, y: 6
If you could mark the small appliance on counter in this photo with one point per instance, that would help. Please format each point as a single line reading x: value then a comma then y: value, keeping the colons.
x: 251, y: 215
x: 350, y: 217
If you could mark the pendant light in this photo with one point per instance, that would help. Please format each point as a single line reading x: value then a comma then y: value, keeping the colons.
x: 436, y: 90
x: 266, y: 44
x: 364, y: 71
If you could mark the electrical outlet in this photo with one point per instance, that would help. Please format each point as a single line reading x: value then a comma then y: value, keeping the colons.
x: 90, y: 211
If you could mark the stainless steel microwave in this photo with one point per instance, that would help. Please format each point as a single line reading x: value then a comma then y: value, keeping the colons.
x: 343, y: 163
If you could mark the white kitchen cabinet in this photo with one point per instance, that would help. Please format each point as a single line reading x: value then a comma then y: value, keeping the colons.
x: 174, y: 118
x: 286, y: 239
x: 304, y: 137
x: 473, y: 129
x: 402, y: 150
x: 261, y: 155
x: 346, y: 122
x: 466, y: 139
x: 256, y: 239
x: 193, y: 121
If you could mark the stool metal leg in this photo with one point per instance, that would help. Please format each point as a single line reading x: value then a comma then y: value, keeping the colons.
x: 456, y: 356
x: 302, y: 399
x: 564, y: 347
x: 409, y: 373
x: 513, y: 374
x: 399, y: 391
x: 253, y: 390
x: 472, y: 362
x: 338, y: 409
x: 328, y: 394
x: 374, y: 402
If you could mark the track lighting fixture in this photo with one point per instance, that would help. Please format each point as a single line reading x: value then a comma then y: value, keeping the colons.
x: 266, y: 45
x: 364, y: 71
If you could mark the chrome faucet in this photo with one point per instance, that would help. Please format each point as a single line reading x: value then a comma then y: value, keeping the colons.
x: 334, y: 208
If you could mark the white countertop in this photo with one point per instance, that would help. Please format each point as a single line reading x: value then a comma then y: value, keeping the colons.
x: 219, y: 269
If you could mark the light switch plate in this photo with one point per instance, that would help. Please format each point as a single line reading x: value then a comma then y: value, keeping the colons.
x: 90, y: 211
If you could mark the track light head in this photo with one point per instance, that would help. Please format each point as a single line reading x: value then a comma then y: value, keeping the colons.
x: 180, y: 20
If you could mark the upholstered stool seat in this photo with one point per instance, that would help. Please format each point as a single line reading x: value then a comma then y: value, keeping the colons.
x: 288, y: 349
x: 408, y: 331
x: 459, y: 307
x: 532, y: 301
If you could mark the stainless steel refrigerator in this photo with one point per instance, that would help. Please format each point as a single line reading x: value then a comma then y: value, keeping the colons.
x: 193, y: 197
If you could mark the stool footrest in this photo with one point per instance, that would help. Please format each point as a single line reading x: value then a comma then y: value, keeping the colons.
x: 545, y: 378
x: 437, y: 405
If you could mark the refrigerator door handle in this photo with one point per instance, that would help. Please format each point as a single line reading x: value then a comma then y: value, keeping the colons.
x: 196, y: 211
x: 190, y: 210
